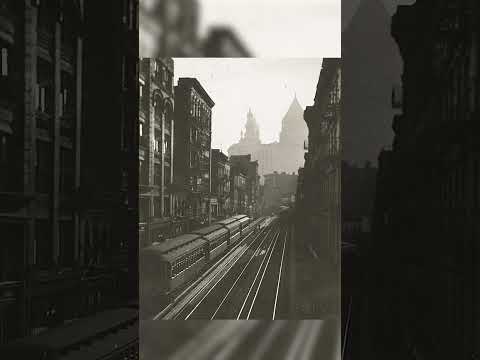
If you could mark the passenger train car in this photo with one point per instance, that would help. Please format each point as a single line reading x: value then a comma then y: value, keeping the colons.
x: 166, y: 266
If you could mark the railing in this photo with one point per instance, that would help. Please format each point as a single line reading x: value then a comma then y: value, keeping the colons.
x: 45, y: 39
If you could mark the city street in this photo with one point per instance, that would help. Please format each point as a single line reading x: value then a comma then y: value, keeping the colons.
x: 249, y: 282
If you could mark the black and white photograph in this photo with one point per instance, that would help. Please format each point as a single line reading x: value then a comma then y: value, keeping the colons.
x: 223, y: 180
x: 229, y: 162
x: 239, y: 179
x: 68, y: 179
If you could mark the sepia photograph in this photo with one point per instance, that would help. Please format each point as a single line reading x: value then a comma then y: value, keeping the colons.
x: 233, y: 223
x: 223, y: 177
x: 239, y: 179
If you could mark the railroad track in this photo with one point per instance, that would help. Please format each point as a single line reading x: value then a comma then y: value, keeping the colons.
x: 247, y: 283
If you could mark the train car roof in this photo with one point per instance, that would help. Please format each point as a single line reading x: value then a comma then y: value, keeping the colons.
x: 238, y: 216
x: 180, y: 251
x: 242, y: 220
x: 169, y: 245
x: 77, y: 332
x: 227, y: 221
x: 207, y: 230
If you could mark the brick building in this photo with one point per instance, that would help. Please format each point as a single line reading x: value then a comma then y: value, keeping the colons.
x: 192, y: 148
x: 156, y: 124
x: 426, y: 222
x: 319, y: 207
x: 68, y: 110
x: 242, y: 164
x: 220, y: 184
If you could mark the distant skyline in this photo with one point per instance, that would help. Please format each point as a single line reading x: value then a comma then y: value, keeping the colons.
x: 266, y: 86
x: 279, y: 28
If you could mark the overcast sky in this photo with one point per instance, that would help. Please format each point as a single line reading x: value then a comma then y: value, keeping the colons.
x: 279, y: 28
x: 267, y: 86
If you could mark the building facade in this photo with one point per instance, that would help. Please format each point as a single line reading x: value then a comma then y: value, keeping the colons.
x: 285, y: 155
x: 221, y: 205
x: 192, y: 147
x: 238, y: 190
x: 156, y: 127
x: 426, y: 222
x: 245, y: 166
x: 63, y: 117
x: 319, y: 209
x: 279, y: 190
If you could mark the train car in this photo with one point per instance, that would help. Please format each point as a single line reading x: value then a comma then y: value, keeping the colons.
x: 108, y: 335
x: 218, y: 238
x: 166, y: 266
x: 244, y: 221
x: 233, y: 226
x: 252, y: 226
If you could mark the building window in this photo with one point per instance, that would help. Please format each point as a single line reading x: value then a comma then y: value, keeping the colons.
x: 66, y: 243
x: 43, y: 167
x: 4, y: 62
x: 157, y: 175
x: 40, y: 98
x: 166, y: 206
x: 43, y: 244
x: 157, y: 207
x: 166, y: 148
x: 131, y: 15
x: 67, y: 166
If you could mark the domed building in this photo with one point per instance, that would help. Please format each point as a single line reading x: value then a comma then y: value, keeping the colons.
x: 285, y: 155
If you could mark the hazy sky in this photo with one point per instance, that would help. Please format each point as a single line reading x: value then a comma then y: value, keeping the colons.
x: 279, y: 28
x: 267, y: 86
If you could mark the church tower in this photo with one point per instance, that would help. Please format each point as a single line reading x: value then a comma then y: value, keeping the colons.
x: 252, y: 132
x: 294, y: 130
x: 249, y: 139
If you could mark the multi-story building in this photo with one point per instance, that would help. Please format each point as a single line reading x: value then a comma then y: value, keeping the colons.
x: 320, y: 193
x: 192, y: 148
x: 238, y: 190
x: 249, y: 169
x: 278, y: 190
x: 220, y: 184
x: 68, y: 114
x: 426, y: 221
x: 156, y: 124
x: 358, y: 194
